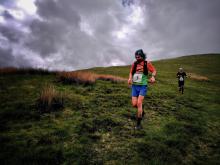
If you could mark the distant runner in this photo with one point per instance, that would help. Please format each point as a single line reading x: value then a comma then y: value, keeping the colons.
x: 181, y: 75
x: 138, y: 78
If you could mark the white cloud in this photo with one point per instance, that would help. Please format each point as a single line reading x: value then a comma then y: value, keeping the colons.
x: 134, y: 19
x: 124, y: 32
x: 28, y: 6
x: 2, y: 20
x: 17, y: 14
x: 85, y: 27
x: 137, y: 15
x: 116, y: 62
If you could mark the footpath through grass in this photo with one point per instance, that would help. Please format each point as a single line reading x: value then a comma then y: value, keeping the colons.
x: 96, y: 124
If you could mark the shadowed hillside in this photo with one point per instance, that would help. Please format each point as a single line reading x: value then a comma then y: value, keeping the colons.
x: 93, y: 123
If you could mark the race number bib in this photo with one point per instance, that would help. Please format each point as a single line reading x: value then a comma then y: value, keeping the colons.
x: 181, y: 79
x: 137, y: 77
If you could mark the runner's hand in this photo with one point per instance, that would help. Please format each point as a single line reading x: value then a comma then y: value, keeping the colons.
x: 129, y: 81
x: 152, y: 79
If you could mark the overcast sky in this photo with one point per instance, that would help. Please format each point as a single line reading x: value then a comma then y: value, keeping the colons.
x: 78, y: 34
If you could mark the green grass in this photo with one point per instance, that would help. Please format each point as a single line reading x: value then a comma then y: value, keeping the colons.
x: 95, y: 126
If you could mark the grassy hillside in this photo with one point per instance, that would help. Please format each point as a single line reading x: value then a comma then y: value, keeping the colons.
x: 96, y: 124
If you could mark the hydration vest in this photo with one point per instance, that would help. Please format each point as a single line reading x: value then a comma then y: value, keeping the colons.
x: 145, y: 68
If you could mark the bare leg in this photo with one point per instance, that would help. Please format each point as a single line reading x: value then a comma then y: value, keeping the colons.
x: 139, y: 105
x: 139, y: 111
x: 134, y: 101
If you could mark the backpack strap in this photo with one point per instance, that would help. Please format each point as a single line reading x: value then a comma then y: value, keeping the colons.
x: 145, y: 68
x: 135, y: 66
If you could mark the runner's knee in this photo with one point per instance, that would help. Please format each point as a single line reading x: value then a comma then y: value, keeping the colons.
x: 134, y: 104
x: 139, y: 103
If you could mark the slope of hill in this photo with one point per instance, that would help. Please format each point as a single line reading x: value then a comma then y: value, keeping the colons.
x: 96, y: 124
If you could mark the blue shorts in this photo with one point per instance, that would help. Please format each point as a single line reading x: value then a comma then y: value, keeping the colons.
x: 139, y: 90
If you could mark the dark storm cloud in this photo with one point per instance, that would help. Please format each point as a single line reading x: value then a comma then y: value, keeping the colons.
x: 7, y: 3
x: 48, y: 34
x: 127, y: 2
x: 73, y: 34
x: 12, y: 34
x: 60, y: 11
x: 6, y: 58
x: 184, y: 27
x: 7, y: 15
x: 45, y: 37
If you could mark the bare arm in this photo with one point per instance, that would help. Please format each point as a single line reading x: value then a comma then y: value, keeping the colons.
x: 130, y: 75
x: 152, y: 69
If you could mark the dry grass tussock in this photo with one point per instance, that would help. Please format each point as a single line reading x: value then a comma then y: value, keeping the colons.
x: 50, y: 99
x: 198, y: 77
x: 78, y: 77
x: 8, y: 70
x: 110, y: 78
x: 86, y: 78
